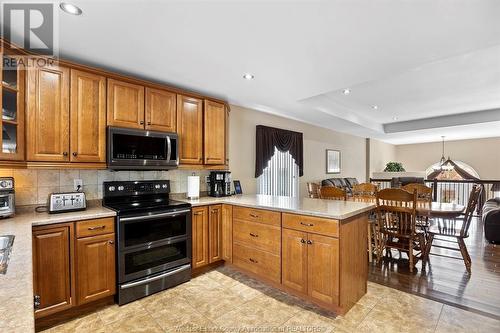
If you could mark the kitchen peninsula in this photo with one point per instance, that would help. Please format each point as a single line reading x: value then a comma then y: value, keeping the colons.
x: 312, y: 248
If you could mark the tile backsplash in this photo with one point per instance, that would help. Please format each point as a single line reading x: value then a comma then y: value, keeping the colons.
x: 34, y: 186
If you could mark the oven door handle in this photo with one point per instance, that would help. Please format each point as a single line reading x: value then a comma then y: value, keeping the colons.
x: 154, y: 278
x: 155, y: 216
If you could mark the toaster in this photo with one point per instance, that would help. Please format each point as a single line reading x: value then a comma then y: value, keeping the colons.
x: 67, y: 202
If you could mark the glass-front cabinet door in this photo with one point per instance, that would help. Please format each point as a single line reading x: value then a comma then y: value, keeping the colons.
x: 12, y: 103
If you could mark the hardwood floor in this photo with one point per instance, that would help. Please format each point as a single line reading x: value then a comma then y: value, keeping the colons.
x: 446, y: 280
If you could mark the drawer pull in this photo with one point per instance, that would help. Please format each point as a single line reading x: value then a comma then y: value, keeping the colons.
x: 111, y: 242
x: 97, y: 228
x: 255, y: 216
x: 253, y: 260
x: 309, y: 242
x: 303, y: 241
x: 254, y: 235
x: 307, y: 224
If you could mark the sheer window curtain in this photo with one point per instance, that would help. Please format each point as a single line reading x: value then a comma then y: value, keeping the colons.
x: 279, y: 161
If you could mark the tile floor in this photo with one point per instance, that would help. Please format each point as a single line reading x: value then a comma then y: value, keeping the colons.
x: 225, y: 300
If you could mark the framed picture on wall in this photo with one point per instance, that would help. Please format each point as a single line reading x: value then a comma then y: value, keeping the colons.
x: 332, y: 161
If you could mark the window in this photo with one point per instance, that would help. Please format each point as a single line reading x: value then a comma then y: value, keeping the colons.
x: 280, y: 177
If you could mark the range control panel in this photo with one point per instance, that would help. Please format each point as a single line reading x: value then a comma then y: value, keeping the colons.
x: 129, y: 188
x: 67, y: 202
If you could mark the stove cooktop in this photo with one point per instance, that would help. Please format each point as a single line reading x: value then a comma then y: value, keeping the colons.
x: 141, y: 197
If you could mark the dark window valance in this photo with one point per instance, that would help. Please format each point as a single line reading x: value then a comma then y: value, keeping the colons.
x: 286, y: 141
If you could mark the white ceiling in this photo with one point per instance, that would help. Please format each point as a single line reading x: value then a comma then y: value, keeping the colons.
x: 414, y: 59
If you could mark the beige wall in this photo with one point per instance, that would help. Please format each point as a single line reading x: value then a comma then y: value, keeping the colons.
x: 380, y: 154
x: 316, y: 141
x: 481, y: 154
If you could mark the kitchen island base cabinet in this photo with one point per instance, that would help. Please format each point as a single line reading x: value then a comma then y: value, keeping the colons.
x: 71, y: 268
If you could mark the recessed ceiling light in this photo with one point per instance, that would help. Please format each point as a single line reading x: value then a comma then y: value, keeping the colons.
x: 375, y: 107
x: 248, y: 76
x: 394, y: 118
x: 70, y: 8
x: 346, y: 91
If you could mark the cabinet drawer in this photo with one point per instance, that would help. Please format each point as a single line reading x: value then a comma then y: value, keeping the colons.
x: 257, y: 215
x: 261, y: 263
x: 323, y: 226
x: 95, y: 227
x: 258, y: 235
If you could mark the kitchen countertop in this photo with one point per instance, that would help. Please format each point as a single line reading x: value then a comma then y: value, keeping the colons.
x: 334, y: 209
x: 16, y: 287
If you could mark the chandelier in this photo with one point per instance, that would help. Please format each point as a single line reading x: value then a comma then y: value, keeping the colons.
x: 444, y: 164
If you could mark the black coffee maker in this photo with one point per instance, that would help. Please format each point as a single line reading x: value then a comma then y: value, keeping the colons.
x: 219, y: 184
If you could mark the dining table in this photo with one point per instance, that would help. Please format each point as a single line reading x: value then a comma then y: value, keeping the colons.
x: 440, y: 209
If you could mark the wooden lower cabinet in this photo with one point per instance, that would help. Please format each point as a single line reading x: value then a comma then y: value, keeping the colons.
x: 310, y: 265
x: 53, y: 255
x: 323, y: 268
x: 69, y: 271
x: 211, y: 234
x: 199, y: 222
x: 95, y: 268
x: 215, y: 233
x: 294, y: 260
x: 227, y: 233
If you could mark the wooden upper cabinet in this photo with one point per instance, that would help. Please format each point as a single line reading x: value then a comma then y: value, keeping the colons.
x: 323, y: 268
x: 125, y: 104
x: 48, y: 114
x: 52, y: 278
x: 227, y: 233
x: 95, y: 267
x: 294, y: 260
x: 88, y: 117
x: 12, y: 85
x: 215, y: 233
x: 190, y: 129
x: 161, y: 108
x: 199, y: 223
x: 214, y: 133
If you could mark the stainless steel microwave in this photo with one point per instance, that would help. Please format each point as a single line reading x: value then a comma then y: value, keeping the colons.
x: 131, y: 149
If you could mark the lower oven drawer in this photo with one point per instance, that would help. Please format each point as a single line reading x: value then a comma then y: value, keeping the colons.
x: 261, y: 263
x: 137, y: 289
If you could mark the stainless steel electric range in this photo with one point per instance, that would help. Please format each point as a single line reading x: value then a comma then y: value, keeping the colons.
x: 153, y: 237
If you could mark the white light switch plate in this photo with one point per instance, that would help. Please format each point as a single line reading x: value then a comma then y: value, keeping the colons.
x: 76, y: 183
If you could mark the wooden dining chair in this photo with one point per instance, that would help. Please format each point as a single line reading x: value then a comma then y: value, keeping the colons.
x: 424, y: 200
x: 366, y: 192
x: 396, y: 215
x: 332, y: 193
x: 313, y: 190
x: 454, y: 228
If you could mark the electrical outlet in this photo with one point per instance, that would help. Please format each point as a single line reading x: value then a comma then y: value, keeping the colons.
x: 77, y: 184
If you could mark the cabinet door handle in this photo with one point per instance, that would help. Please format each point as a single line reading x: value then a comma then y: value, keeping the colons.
x: 111, y: 242
x: 149, y: 123
x: 307, y: 224
x: 65, y: 153
x: 310, y: 242
x: 303, y: 241
x: 254, y: 235
x: 253, y: 260
x: 36, y: 301
x: 75, y: 154
x: 97, y: 227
